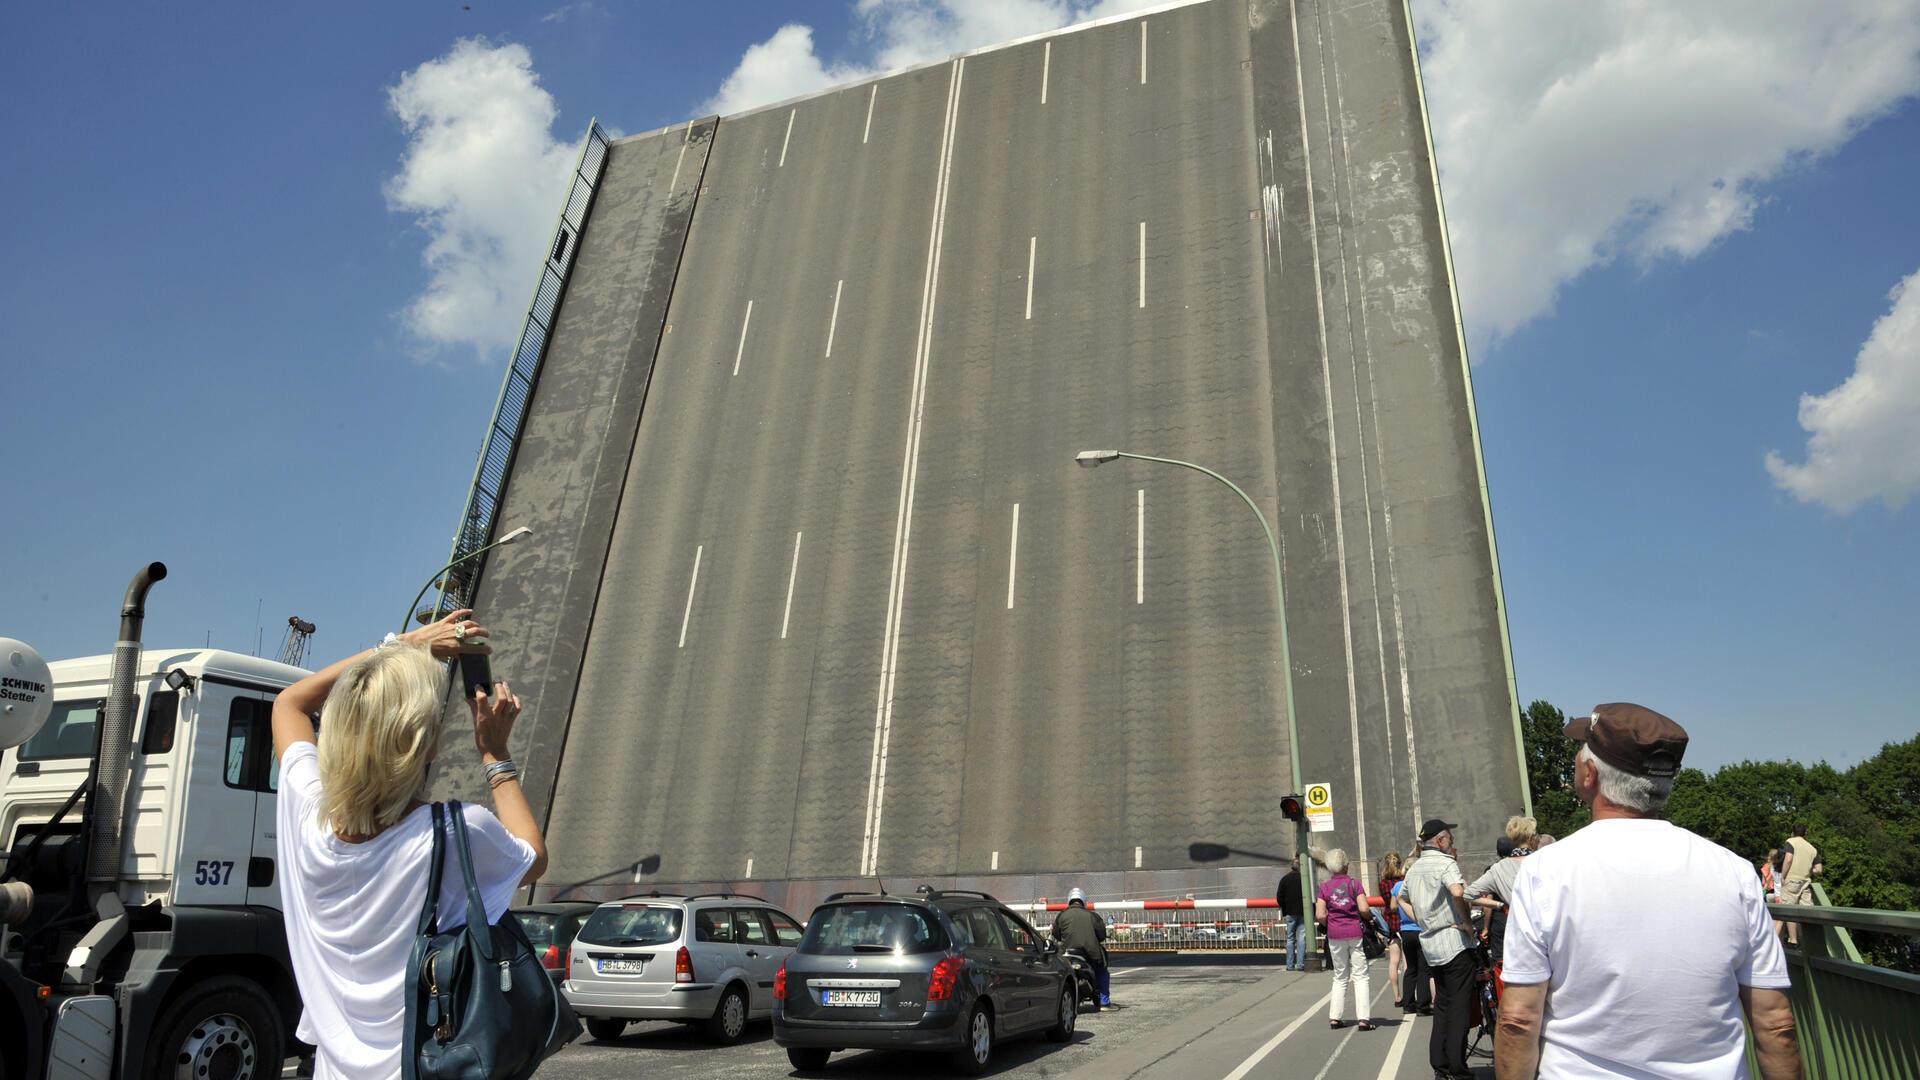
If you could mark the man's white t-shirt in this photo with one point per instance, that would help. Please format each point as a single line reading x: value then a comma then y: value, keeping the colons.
x: 1644, y: 934
x: 352, y: 911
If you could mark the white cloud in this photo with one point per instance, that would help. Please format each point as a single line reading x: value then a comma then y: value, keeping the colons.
x: 1570, y: 135
x: 1864, y: 435
x: 893, y: 34
x: 484, y: 177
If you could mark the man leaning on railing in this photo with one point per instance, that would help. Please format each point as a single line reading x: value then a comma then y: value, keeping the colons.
x: 1648, y: 941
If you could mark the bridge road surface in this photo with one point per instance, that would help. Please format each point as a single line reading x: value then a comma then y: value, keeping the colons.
x: 1181, y: 1018
x: 816, y: 592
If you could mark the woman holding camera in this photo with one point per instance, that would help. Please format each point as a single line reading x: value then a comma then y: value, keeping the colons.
x: 355, y: 836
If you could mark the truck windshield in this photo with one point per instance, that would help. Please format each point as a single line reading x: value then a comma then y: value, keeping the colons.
x: 851, y: 929
x: 68, y: 733
x: 632, y: 924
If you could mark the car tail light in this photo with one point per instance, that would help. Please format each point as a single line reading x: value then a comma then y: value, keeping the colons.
x: 945, y: 974
x: 780, y: 982
x: 683, y: 966
x: 569, y: 966
x: 551, y: 958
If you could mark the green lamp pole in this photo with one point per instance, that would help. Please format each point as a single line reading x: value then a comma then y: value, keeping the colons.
x: 516, y: 534
x: 1091, y: 458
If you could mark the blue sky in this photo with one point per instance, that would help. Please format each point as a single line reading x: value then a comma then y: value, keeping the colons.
x: 213, y: 354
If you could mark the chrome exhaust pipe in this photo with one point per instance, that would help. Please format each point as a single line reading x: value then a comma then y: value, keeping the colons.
x: 113, y: 742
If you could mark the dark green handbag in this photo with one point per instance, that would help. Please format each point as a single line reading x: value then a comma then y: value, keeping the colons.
x: 479, y: 1005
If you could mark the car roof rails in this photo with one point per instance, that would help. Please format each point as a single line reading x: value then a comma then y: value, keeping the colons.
x: 861, y: 892
x: 728, y: 896
x: 935, y: 894
x: 656, y: 894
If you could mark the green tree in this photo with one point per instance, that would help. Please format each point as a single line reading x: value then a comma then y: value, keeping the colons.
x: 1550, y: 757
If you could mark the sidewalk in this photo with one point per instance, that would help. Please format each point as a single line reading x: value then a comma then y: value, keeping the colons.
x: 1277, y: 1028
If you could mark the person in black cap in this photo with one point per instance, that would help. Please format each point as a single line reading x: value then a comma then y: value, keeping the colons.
x: 1627, y: 1000
x: 1435, y: 891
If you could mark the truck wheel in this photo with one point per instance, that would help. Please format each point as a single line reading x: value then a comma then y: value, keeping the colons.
x: 223, y: 1029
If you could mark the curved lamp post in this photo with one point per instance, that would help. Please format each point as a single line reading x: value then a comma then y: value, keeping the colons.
x: 520, y: 533
x: 1089, y: 459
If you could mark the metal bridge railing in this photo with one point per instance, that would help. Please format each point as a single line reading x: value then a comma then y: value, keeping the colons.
x: 1855, y: 1020
x: 516, y: 389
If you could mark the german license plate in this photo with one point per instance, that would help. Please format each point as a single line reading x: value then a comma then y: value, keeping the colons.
x: 620, y: 967
x: 850, y: 997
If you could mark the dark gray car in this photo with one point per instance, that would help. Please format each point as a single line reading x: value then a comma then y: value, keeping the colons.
x: 953, y: 972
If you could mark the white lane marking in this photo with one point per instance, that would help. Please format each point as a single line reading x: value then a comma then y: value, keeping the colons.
x: 1136, y: 858
x: 996, y: 861
x: 872, y: 95
x: 1143, y: 52
x: 1046, y: 69
x: 1365, y: 347
x: 1245, y: 1067
x: 793, y: 575
x: 749, y: 866
x: 1013, y: 554
x: 1390, y: 1068
x: 1140, y: 546
x: 1143, y: 264
x: 692, y: 583
x: 742, y: 347
x: 1333, y: 451
x: 1032, y: 243
x: 909, y: 476
x: 1335, y: 1056
x: 835, y: 320
x: 682, y: 159
x: 783, y: 142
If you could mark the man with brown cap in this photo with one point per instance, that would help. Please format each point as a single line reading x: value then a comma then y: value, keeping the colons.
x: 1595, y: 987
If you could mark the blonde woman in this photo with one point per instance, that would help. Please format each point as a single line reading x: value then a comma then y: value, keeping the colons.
x: 1341, y: 904
x: 1388, y: 916
x: 355, y: 837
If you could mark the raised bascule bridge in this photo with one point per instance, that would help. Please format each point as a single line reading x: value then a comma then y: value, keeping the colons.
x: 816, y: 596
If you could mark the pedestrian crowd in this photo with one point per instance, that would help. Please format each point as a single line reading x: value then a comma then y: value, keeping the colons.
x: 1559, y: 938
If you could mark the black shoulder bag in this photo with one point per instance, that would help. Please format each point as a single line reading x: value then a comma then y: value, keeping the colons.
x: 479, y: 1005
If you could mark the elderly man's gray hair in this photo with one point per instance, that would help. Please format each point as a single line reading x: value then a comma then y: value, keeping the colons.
x: 1641, y: 794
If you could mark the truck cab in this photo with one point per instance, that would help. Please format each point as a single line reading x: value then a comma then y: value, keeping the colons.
x: 201, y: 984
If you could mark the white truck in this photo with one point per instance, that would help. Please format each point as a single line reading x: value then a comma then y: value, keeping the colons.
x: 140, y: 927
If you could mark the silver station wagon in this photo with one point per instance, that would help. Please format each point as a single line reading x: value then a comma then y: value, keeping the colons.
x: 709, y: 960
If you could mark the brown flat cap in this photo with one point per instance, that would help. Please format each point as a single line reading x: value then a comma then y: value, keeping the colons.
x: 1633, y: 738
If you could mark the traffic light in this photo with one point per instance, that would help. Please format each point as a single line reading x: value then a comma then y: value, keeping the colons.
x: 1293, y: 807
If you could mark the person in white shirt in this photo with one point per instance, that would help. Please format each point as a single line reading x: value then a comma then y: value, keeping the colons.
x: 1634, y: 947
x: 355, y: 838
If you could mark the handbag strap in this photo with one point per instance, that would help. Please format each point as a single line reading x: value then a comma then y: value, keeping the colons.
x: 429, y: 911
x: 476, y: 908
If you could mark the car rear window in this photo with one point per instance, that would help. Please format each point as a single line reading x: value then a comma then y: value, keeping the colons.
x: 632, y: 924
x: 850, y: 929
x: 539, y: 927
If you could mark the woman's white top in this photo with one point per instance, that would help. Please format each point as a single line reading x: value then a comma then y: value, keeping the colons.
x: 352, y: 910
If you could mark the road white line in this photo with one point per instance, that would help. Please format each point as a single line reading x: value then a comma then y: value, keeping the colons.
x: 1140, y: 546
x: 1013, y: 554
x: 1390, y: 1068
x: 1333, y: 451
x: 996, y: 861
x: 1335, y: 1056
x: 783, y: 142
x: 1032, y: 243
x: 792, y: 576
x: 903, y: 524
x: 872, y: 95
x: 692, y: 583
x: 1143, y: 52
x: 834, y: 321
x: 1245, y: 1067
x: 682, y: 159
x: 749, y: 866
x: 742, y: 347
x: 1046, y: 69
x: 1143, y: 264
x: 1136, y: 858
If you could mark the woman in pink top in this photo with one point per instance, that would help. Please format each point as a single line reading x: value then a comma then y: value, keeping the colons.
x: 1340, y: 905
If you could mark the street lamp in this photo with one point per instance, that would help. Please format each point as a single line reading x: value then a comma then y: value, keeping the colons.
x: 1088, y: 459
x: 518, y: 534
